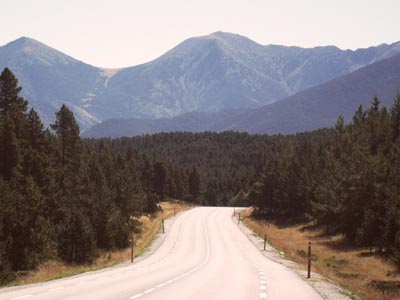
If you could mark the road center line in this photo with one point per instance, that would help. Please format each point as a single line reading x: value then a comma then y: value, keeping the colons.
x: 56, y: 289
x: 21, y: 297
x: 149, y: 290
x: 136, y: 296
x: 263, y: 295
x: 182, y: 276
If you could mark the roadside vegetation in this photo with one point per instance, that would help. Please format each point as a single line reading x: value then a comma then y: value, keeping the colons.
x: 71, y: 200
x: 366, y: 272
x: 66, y: 199
x: 150, y: 226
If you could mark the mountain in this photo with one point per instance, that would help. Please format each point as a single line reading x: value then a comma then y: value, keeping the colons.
x: 221, y: 71
x: 226, y: 71
x: 50, y: 78
x: 193, y: 121
x: 311, y: 109
x: 320, y: 106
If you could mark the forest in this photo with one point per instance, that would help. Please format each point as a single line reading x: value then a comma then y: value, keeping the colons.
x: 64, y: 197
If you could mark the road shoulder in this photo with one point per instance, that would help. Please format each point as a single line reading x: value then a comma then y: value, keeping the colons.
x: 326, y: 288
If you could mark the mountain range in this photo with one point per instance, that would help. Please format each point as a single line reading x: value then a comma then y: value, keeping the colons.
x: 219, y: 77
x: 311, y: 109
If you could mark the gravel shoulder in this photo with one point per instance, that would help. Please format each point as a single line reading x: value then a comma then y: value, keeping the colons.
x: 326, y: 288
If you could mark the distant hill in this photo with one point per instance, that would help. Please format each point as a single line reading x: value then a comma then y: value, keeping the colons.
x: 50, y: 78
x: 221, y: 71
x: 313, y: 108
x: 320, y: 106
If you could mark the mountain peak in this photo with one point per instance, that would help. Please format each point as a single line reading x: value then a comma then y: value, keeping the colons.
x: 23, y: 42
x: 32, y: 49
x: 223, y: 34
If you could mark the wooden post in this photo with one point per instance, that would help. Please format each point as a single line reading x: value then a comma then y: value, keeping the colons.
x: 309, y: 260
x: 234, y: 211
x: 132, y: 245
x: 162, y: 223
x: 238, y: 218
x: 174, y: 212
x: 265, y: 241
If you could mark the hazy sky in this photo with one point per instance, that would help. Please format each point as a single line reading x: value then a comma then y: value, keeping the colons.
x: 117, y: 33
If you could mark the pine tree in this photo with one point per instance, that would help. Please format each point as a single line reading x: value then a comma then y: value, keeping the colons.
x: 160, y: 179
x: 395, y: 117
x: 11, y: 103
x: 10, y: 153
x: 69, y: 152
x: 194, y: 183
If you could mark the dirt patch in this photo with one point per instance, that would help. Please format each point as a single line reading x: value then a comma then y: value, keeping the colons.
x: 363, y: 274
x: 150, y: 225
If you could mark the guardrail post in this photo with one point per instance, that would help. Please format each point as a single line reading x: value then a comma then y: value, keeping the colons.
x: 234, y: 211
x: 309, y: 260
x: 238, y: 218
x: 132, y: 244
x: 162, y: 225
x: 265, y: 241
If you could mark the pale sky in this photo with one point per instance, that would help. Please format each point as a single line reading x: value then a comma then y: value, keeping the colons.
x: 120, y: 33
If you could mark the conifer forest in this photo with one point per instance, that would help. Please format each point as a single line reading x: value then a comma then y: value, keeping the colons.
x: 65, y: 197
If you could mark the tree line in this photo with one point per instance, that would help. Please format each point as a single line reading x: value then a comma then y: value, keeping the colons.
x: 62, y: 197
x: 346, y: 179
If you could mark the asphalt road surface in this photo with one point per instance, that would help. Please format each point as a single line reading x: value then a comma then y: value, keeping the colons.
x: 204, y: 256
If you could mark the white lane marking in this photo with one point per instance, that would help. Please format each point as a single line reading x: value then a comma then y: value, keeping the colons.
x: 83, y: 282
x: 263, y: 287
x: 263, y: 282
x: 263, y: 295
x: 21, y: 297
x: 149, y: 290
x: 183, y: 275
x: 56, y: 289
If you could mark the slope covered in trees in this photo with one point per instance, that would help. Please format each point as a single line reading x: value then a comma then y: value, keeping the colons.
x: 65, y: 197
x: 346, y: 178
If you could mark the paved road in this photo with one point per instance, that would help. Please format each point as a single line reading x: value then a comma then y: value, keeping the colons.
x: 204, y: 256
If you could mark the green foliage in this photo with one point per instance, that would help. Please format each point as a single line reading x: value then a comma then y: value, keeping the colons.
x: 346, y: 178
x: 160, y: 179
x: 194, y: 183
x: 65, y: 197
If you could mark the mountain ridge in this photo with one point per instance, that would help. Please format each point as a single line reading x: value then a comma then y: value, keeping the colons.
x: 311, y: 109
x: 220, y: 71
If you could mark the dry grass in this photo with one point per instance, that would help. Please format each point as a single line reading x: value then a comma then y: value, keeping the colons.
x: 353, y: 268
x: 150, y: 227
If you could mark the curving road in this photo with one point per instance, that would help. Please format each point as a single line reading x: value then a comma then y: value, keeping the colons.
x: 204, y: 256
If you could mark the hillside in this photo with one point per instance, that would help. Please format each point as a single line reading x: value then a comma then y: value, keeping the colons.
x: 221, y: 71
x: 314, y: 108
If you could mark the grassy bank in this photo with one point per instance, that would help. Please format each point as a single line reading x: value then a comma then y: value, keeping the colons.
x: 56, y: 269
x: 369, y: 275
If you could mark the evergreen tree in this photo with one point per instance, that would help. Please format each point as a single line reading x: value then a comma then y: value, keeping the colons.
x: 160, y: 179
x: 194, y: 183
x: 67, y: 131
x: 11, y: 103
x: 395, y: 117
x: 9, y: 148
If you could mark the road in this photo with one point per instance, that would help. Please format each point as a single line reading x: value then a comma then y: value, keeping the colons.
x: 204, y: 256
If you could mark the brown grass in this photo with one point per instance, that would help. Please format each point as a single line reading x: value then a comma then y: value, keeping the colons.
x: 150, y: 227
x: 353, y: 268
